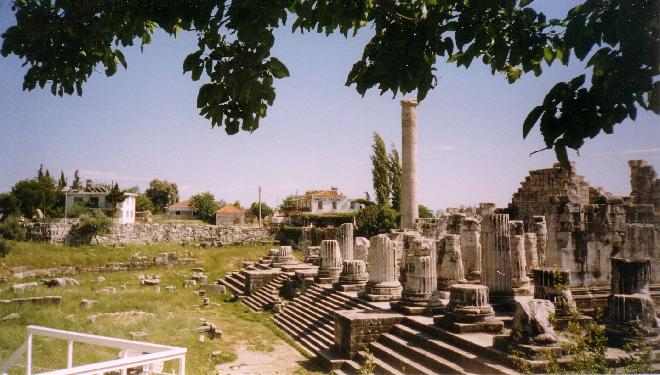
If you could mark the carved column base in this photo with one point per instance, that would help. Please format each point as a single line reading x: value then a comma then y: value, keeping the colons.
x: 382, y: 292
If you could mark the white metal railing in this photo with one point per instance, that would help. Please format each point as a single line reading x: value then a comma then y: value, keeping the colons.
x: 148, y: 355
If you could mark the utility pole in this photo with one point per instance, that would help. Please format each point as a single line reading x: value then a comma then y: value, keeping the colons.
x: 259, y: 206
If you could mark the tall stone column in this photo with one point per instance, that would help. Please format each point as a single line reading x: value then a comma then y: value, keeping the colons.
x: 519, y: 277
x: 420, y: 290
x: 330, y: 262
x: 471, y: 247
x: 496, y: 259
x: 383, y: 284
x: 450, y: 265
x: 409, y: 164
x: 630, y: 308
x: 541, y: 230
x: 530, y: 252
x: 345, y: 238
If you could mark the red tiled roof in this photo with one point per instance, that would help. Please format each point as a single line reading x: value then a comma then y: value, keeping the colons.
x: 182, y: 204
x: 229, y: 209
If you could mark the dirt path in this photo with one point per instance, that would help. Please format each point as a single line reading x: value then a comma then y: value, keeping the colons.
x: 282, y: 360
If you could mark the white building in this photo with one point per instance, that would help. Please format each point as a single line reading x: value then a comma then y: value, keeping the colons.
x: 93, y: 197
x: 327, y: 201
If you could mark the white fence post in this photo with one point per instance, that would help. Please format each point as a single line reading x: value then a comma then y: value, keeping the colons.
x: 28, y: 365
x: 69, y: 354
x: 182, y: 365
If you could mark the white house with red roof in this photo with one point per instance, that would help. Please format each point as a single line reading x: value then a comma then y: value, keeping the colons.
x: 327, y: 201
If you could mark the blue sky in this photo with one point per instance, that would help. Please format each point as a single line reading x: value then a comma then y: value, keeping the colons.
x: 143, y: 124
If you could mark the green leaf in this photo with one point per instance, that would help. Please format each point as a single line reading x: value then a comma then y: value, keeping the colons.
x: 191, y: 60
x: 654, y: 98
x: 548, y: 55
x: 197, y: 72
x: 524, y: 3
x: 120, y: 57
x: 277, y: 68
x: 531, y: 119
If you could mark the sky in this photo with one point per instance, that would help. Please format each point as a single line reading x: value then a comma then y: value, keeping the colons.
x: 143, y: 123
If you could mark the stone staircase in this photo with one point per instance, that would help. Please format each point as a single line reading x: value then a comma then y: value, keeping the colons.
x: 412, y: 347
x: 235, y: 282
x: 309, y: 318
x: 266, y: 295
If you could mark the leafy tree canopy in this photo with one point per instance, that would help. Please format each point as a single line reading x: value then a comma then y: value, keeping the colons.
x: 162, y: 193
x: 204, y: 206
x: 265, y: 210
x: 63, y: 42
x: 143, y: 203
x: 424, y: 212
x: 376, y: 219
x: 288, y: 205
x: 114, y: 197
x: 380, y: 171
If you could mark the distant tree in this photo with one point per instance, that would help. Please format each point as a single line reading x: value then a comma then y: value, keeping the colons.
x: 265, y: 210
x: 61, y: 184
x: 375, y: 219
x: 143, y: 203
x: 379, y: 171
x: 35, y: 194
x: 132, y: 189
x: 114, y: 197
x: 237, y: 204
x: 394, y: 164
x: 8, y: 205
x: 162, y: 193
x: 424, y: 212
x: 75, y: 185
x: 288, y: 205
x: 40, y: 172
x: 204, y: 206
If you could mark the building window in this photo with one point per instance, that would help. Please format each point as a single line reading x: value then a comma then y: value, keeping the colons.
x: 334, y: 205
x: 352, y: 205
x: 177, y: 213
x: 319, y: 205
x: 94, y: 201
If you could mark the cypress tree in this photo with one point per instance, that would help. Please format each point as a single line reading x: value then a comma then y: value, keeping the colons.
x: 379, y: 171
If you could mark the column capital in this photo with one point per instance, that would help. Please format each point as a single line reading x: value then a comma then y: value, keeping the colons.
x: 409, y: 102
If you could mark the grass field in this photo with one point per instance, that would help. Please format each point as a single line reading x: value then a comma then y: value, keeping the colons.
x: 175, y: 316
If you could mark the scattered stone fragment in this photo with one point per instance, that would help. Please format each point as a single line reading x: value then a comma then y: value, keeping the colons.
x: 150, y: 281
x: 100, y: 279
x: 214, y: 288
x: 209, y: 329
x: 136, y: 334
x: 109, y: 290
x: 11, y: 316
x: 170, y: 288
x: 87, y: 303
x: 61, y: 281
x: 199, y: 277
x: 531, y: 321
x: 197, y: 270
x: 189, y: 283
x: 26, y: 287
x: 216, y: 353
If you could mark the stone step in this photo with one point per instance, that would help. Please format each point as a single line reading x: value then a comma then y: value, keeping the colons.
x: 330, y: 297
x: 252, y: 305
x: 399, y: 361
x: 301, y: 335
x: 237, y: 290
x: 310, y: 349
x: 382, y: 367
x: 239, y: 276
x: 323, y: 331
x: 416, y: 354
x: 315, y: 308
x: 325, y: 327
x: 478, y: 359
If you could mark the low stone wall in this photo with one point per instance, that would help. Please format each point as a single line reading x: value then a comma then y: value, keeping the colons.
x: 60, y: 232
x: 355, y: 329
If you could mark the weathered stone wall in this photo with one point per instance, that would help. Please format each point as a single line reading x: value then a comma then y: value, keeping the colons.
x: 587, y: 226
x: 60, y: 232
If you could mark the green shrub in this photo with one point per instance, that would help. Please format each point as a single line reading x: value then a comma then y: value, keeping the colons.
x: 12, y: 229
x: 373, y: 220
x: 94, y: 225
x: 288, y: 235
x: 4, y: 247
